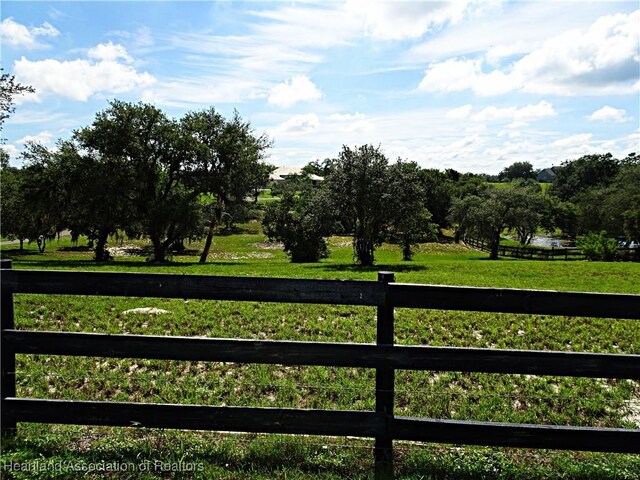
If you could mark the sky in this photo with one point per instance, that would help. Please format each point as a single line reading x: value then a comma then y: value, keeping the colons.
x: 473, y: 85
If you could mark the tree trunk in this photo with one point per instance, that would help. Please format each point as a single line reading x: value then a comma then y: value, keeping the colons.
x: 42, y: 243
x: 101, y: 253
x: 21, y: 244
x: 494, y: 246
x: 407, y: 254
x: 207, y: 243
x: 159, y: 251
x: 217, y: 213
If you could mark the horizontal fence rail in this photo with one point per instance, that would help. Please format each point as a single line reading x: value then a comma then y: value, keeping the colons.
x: 453, y: 359
x: 336, y: 292
x: 384, y: 356
x: 351, y: 423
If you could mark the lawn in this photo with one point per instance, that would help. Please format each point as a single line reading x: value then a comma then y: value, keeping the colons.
x: 512, y: 398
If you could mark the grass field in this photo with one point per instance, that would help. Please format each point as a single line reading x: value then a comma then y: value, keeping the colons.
x: 507, y: 398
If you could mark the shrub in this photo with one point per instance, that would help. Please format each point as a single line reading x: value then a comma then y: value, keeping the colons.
x: 596, y: 246
x: 300, y: 222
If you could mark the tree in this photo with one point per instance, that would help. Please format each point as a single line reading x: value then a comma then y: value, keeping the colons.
x: 225, y: 164
x: 489, y: 213
x: 596, y: 246
x: 522, y: 170
x: 614, y: 206
x: 482, y: 217
x: 301, y: 222
x: 359, y: 185
x: 151, y: 150
x: 530, y: 210
x: 96, y: 189
x: 321, y: 168
x: 410, y: 221
x: 9, y: 88
x: 438, y: 191
x: 13, y: 204
x: 575, y: 177
x: 42, y: 195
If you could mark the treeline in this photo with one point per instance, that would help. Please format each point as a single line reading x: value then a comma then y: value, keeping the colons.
x: 365, y: 196
x: 374, y: 201
x: 135, y: 170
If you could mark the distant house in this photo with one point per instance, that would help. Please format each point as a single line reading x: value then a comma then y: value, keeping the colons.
x: 281, y: 173
x: 547, y: 175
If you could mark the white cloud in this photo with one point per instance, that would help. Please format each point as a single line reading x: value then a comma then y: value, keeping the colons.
x: 519, y: 116
x: 283, y: 43
x: 81, y: 79
x: 43, y: 138
x: 345, y: 117
x: 304, y: 123
x: 361, y: 126
x: 403, y: 20
x: 450, y: 76
x: 109, y: 53
x: 298, y: 89
x: 609, y: 114
x: 604, y: 59
x: 17, y: 35
x: 12, y: 151
x: 576, y: 140
x: 459, y: 113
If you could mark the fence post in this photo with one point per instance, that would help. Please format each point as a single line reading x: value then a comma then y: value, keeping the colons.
x: 385, y: 378
x: 7, y: 357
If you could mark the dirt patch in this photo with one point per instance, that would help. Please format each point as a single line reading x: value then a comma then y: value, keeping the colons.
x: 234, y: 256
x: 127, y: 251
x: 268, y: 245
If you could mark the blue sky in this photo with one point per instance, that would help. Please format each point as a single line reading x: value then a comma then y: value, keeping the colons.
x: 472, y: 85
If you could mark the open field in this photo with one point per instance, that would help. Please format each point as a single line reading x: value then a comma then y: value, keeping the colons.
x: 509, y: 398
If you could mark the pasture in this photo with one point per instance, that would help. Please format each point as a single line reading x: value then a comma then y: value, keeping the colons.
x: 506, y: 398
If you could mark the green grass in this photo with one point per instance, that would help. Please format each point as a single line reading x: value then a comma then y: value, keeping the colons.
x: 512, y: 398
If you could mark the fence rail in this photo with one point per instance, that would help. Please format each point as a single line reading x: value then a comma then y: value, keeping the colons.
x: 552, y: 253
x: 384, y: 356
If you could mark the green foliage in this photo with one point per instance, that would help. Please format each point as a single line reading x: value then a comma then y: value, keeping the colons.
x: 13, y: 204
x: 521, y: 208
x: 438, y: 189
x: 523, y: 170
x: 301, y: 223
x: 596, y: 246
x: 38, y: 197
x: 359, y: 185
x: 410, y: 221
x: 225, y: 163
x: 321, y: 168
x: 574, y: 177
x: 9, y: 88
x: 611, y: 207
x: 151, y: 152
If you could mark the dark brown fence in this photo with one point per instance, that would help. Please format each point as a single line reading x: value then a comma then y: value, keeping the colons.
x: 383, y: 356
x: 551, y: 253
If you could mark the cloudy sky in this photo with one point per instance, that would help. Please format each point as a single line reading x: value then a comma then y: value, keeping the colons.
x: 473, y: 85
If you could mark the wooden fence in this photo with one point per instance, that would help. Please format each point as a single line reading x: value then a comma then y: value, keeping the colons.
x: 551, y: 253
x: 384, y: 357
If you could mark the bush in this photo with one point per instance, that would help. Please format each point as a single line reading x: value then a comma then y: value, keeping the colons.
x: 300, y: 223
x: 596, y: 246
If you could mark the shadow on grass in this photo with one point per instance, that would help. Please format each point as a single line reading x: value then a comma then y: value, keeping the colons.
x: 16, y: 253
x: 142, y: 265
x: 374, y: 268
x: 79, y: 248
